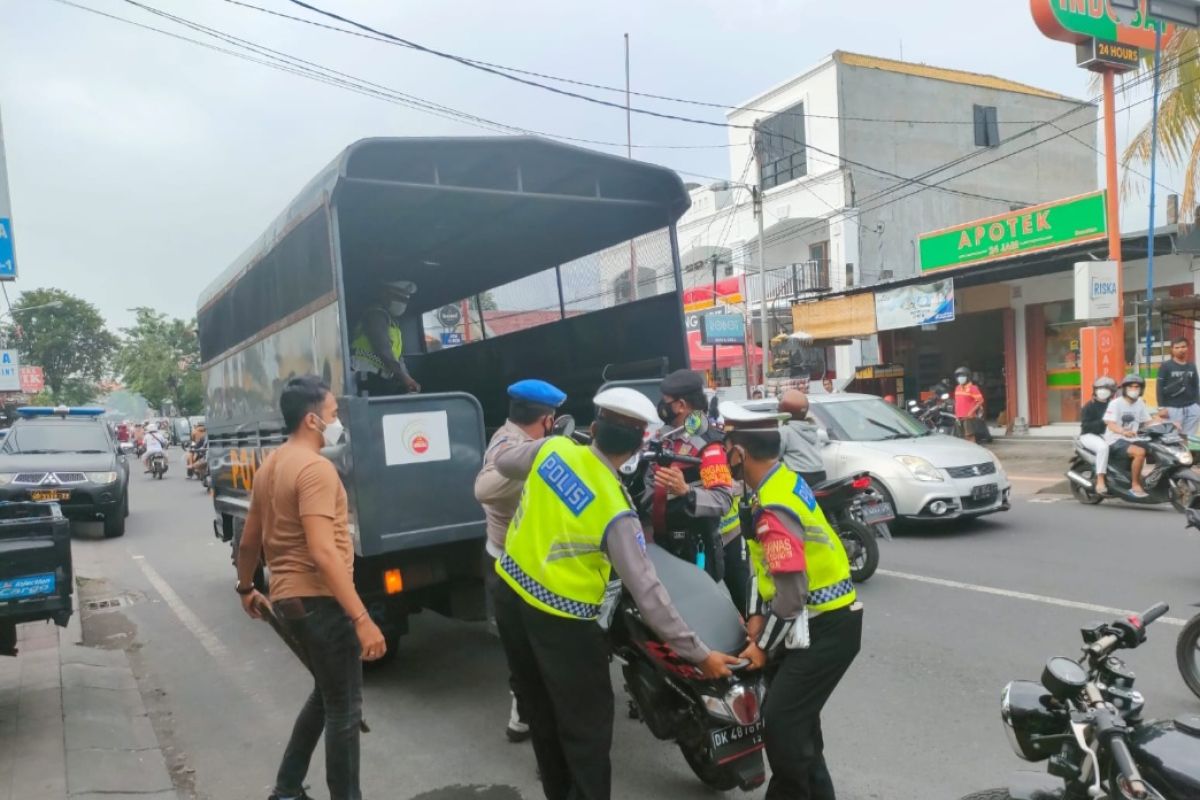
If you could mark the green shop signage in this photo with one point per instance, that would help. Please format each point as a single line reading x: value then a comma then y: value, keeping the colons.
x: 1050, y: 225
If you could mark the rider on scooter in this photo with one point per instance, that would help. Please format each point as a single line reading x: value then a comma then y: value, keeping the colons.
x: 1124, y: 419
x: 1092, y: 427
x: 154, y: 443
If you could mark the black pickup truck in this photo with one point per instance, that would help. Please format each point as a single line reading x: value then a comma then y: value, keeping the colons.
x: 36, y: 578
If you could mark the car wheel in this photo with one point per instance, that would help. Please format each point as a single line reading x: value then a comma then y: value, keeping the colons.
x: 114, y: 524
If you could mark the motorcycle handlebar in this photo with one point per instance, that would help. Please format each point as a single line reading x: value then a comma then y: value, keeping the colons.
x: 1123, y: 760
x: 1154, y: 612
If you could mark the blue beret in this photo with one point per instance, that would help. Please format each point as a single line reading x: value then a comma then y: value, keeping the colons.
x: 535, y: 391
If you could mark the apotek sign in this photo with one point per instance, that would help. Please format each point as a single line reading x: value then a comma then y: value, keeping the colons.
x: 1096, y: 290
x: 1044, y: 227
x: 1077, y: 21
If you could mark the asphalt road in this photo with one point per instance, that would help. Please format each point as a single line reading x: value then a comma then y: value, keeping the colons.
x: 952, y: 616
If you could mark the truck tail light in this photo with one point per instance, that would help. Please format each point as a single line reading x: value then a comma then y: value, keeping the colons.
x: 393, y: 581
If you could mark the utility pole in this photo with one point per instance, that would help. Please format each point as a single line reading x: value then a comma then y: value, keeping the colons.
x: 633, y: 281
x: 713, y: 258
x: 762, y: 263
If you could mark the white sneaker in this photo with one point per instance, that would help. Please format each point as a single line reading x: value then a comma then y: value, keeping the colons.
x: 517, y: 730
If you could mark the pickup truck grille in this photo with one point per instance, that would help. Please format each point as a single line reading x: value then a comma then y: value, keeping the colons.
x: 973, y: 470
x: 36, y: 478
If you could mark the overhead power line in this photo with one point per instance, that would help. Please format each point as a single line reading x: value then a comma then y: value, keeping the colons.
x: 383, y: 38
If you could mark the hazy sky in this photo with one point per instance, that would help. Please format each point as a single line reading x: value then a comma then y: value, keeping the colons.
x: 140, y: 166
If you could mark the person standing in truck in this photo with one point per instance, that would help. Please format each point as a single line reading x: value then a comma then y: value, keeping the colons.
x: 377, y: 344
x: 574, y: 530
x: 298, y: 517
x: 531, y: 408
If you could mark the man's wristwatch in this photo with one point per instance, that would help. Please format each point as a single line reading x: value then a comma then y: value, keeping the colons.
x: 237, y: 587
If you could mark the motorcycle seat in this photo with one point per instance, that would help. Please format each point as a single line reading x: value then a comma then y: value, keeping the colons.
x: 703, y: 604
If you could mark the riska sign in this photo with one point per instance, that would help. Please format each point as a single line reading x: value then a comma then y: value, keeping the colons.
x: 1096, y: 290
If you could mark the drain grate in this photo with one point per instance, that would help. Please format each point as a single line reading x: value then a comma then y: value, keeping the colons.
x: 109, y: 603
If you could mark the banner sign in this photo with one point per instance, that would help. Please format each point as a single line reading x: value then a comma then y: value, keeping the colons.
x: 1043, y: 227
x: 910, y: 306
x: 1096, y: 290
x: 33, y: 379
x: 8, y: 257
x: 451, y: 338
x: 717, y: 329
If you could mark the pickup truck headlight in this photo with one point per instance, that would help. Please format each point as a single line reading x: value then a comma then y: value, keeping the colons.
x: 921, y: 469
x: 6, y: 478
x: 101, y: 477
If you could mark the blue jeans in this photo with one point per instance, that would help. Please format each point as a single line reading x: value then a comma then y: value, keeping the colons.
x: 334, y: 707
x: 1188, y: 417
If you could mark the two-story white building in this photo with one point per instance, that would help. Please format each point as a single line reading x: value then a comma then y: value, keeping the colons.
x: 858, y: 156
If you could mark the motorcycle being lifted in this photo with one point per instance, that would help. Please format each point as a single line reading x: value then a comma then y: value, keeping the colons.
x: 1085, y: 718
x: 1173, y: 479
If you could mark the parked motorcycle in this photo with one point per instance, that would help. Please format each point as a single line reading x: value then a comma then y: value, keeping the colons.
x: 1172, y: 481
x: 716, y: 724
x: 1086, y: 718
x: 936, y: 413
x: 860, y: 516
x: 158, y: 465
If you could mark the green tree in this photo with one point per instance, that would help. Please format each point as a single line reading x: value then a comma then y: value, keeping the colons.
x: 1178, y: 113
x: 70, y: 342
x: 160, y: 360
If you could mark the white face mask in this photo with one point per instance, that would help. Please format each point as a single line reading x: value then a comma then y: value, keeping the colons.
x: 333, y: 432
x: 1133, y: 392
x: 396, y: 308
x: 962, y: 380
x: 1103, y: 394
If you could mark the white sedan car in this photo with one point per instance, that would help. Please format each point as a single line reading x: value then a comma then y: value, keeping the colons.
x: 926, y: 476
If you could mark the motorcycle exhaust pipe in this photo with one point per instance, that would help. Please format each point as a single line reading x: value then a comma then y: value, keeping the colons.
x: 1082, y: 481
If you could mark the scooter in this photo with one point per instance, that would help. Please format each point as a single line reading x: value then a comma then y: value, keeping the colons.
x: 1173, y: 479
x: 158, y: 465
x: 859, y: 516
x: 1085, y: 719
x: 717, y: 724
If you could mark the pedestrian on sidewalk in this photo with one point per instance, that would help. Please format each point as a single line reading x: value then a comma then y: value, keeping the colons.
x: 298, y: 518
x: 531, y: 407
x: 1179, y: 388
x: 968, y: 403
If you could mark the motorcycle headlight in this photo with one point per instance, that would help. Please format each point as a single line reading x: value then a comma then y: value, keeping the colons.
x: 6, y: 478
x: 921, y: 469
x: 1185, y: 457
x: 1033, y: 721
x: 101, y: 477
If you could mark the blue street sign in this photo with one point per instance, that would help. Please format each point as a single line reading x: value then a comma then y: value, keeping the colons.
x: 451, y: 338
x: 8, y: 261
x: 716, y: 329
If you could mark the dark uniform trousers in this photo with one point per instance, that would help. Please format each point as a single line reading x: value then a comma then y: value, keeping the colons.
x: 559, y: 668
x: 800, y: 683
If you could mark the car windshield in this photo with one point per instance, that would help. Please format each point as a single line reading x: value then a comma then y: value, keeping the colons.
x: 65, y: 438
x: 867, y: 420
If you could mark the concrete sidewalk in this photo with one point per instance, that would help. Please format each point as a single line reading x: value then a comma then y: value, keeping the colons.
x: 72, y: 723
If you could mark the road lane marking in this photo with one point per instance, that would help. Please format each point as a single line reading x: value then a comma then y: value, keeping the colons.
x: 209, y: 640
x: 1036, y: 598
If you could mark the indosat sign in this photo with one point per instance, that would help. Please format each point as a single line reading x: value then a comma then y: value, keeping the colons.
x: 1044, y: 227
x: 1076, y: 21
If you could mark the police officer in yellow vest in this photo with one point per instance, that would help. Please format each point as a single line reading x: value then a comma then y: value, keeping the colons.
x: 573, y: 529
x: 377, y: 344
x: 806, y: 621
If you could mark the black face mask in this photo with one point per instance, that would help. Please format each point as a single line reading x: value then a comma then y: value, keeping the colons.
x: 665, y: 413
x: 738, y: 470
x: 616, y: 440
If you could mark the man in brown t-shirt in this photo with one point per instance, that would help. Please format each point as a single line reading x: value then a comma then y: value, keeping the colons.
x: 298, y: 518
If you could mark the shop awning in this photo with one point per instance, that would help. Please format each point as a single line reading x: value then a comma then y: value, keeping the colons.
x: 727, y: 355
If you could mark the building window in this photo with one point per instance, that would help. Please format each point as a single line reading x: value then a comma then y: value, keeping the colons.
x: 987, y: 130
x: 782, y: 155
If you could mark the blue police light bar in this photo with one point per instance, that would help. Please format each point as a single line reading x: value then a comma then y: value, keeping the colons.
x: 59, y: 411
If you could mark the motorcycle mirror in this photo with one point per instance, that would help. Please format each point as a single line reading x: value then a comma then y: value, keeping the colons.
x: 563, y: 426
x: 630, y: 466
